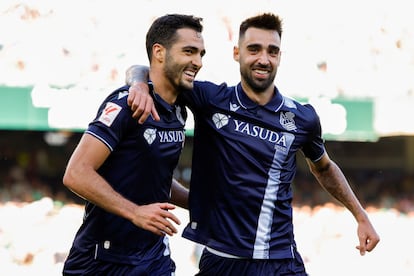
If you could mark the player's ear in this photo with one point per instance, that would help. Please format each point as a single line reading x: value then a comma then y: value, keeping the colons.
x: 158, y: 52
x: 236, y: 53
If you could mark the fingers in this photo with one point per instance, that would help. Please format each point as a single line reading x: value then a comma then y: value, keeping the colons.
x: 367, y: 244
x: 144, y: 108
x: 168, y: 216
x: 372, y: 243
x: 157, y: 218
x: 141, y: 106
x: 141, y: 103
x: 142, y: 113
x: 362, y: 249
x: 168, y: 231
x: 368, y: 237
x: 161, y: 230
x: 371, y: 246
x: 165, y: 224
x: 154, y: 113
x: 173, y: 218
x: 165, y: 227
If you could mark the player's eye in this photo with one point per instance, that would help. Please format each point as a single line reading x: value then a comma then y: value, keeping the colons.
x: 253, y: 49
x: 274, y: 51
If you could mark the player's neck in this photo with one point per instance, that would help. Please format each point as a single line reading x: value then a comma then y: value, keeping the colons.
x: 163, y: 87
x: 260, y: 98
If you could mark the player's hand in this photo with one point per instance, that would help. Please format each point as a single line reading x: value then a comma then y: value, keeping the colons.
x: 141, y: 103
x: 368, y: 237
x: 156, y: 218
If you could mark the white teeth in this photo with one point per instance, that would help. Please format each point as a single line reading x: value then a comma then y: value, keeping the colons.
x: 261, y: 71
x: 190, y: 73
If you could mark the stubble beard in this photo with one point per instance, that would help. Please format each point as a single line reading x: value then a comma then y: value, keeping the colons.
x: 174, y: 73
x: 258, y: 86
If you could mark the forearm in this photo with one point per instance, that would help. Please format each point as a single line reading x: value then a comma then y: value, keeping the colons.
x: 333, y: 181
x: 331, y: 178
x: 136, y: 74
x: 93, y: 188
x: 179, y: 194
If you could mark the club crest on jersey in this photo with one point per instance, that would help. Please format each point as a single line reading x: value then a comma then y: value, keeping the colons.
x: 150, y: 134
x: 109, y: 113
x: 287, y: 120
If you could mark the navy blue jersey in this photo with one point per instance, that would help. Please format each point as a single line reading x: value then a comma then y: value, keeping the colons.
x: 242, y: 170
x: 140, y: 167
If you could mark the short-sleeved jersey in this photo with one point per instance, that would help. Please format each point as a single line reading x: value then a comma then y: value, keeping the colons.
x: 140, y: 167
x: 242, y: 169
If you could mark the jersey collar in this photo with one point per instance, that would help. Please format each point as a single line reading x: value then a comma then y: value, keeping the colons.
x: 158, y: 100
x: 273, y: 105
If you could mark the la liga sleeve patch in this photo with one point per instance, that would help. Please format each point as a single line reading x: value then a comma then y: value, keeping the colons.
x: 109, y: 113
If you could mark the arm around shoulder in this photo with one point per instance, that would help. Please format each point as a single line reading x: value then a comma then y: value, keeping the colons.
x: 141, y: 103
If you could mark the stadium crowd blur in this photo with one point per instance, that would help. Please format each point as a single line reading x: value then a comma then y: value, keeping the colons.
x: 353, y: 48
x: 33, y: 170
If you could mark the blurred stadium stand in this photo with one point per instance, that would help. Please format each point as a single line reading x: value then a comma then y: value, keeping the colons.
x: 59, y: 59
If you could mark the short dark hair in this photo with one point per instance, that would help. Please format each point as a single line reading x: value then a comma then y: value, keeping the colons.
x: 266, y: 21
x: 163, y: 30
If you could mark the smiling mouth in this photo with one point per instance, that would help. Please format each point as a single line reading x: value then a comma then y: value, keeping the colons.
x: 261, y: 72
x: 190, y: 74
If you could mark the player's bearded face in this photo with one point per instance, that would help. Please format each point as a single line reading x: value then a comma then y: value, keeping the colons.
x: 247, y: 72
x: 258, y: 54
x: 175, y: 70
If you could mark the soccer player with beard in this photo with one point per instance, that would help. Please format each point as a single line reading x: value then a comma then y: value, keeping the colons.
x: 244, y: 160
x: 124, y: 170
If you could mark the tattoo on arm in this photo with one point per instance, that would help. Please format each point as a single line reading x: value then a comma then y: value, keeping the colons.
x: 137, y: 73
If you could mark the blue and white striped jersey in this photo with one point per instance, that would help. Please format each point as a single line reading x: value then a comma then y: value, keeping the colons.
x: 242, y: 170
x: 140, y: 167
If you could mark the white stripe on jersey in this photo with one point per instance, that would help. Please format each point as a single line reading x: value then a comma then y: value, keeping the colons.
x: 264, y: 226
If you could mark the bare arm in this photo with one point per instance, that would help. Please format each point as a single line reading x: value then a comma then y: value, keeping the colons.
x: 139, y: 99
x: 82, y: 178
x: 179, y: 194
x: 331, y: 178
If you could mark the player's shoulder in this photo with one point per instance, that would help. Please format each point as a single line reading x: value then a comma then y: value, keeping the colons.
x: 119, y: 96
x: 211, y: 85
x: 115, y: 102
x: 298, y: 105
x: 212, y: 91
x: 303, y: 112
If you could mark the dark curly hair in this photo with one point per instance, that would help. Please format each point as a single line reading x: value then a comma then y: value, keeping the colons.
x: 267, y: 21
x: 164, y: 29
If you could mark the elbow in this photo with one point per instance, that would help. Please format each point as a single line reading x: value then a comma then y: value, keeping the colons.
x: 70, y: 178
x: 319, y: 169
